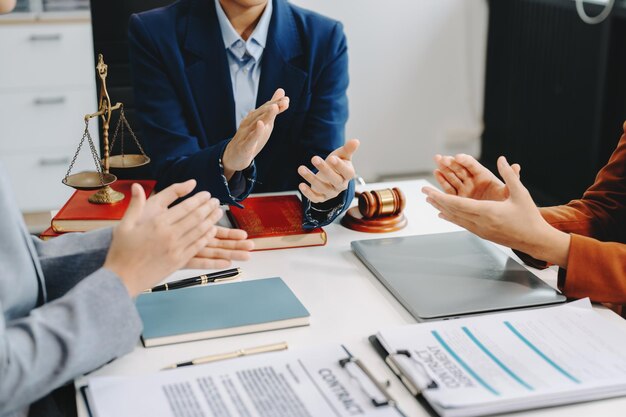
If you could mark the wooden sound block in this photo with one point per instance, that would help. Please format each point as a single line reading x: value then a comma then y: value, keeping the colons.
x: 354, y: 220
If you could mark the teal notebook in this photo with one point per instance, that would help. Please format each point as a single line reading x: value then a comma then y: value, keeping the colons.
x: 210, y: 311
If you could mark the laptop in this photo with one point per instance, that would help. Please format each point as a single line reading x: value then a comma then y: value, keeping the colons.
x: 448, y: 275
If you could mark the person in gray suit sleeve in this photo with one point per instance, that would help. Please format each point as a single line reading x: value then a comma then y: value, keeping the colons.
x: 68, y: 304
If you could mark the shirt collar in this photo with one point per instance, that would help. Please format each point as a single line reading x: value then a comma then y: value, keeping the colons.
x: 257, y: 41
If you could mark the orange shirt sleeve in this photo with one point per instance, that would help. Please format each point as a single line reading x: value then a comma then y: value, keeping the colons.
x: 597, y: 224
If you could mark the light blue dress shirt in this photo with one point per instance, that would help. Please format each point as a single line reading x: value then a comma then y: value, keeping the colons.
x: 244, y: 62
x: 244, y: 59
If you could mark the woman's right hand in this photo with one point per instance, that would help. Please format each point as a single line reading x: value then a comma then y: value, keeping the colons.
x: 464, y: 176
x: 253, y: 134
x: 152, y: 241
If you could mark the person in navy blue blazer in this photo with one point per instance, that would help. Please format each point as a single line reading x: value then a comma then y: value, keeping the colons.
x: 211, y: 81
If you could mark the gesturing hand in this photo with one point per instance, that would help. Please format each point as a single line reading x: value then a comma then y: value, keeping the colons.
x: 253, y: 134
x: 333, y: 174
x: 224, y: 246
x: 153, y: 241
x: 514, y: 222
x: 464, y: 176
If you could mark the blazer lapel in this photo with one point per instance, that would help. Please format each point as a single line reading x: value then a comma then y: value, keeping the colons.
x: 208, y: 73
x: 279, y: 67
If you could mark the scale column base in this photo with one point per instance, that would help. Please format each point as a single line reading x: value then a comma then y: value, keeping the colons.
x: 106, y: 195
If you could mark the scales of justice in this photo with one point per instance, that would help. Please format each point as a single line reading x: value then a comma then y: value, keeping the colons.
x: 102, y: 179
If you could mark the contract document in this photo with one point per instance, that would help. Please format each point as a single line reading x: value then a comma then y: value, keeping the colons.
x: 317, y: 382
x: 509, y: 361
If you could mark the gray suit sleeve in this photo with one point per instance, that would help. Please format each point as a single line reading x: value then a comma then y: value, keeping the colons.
x: 90, y: 325
x: 69, y: 258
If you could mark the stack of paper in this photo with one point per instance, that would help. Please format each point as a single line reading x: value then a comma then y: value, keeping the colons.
x: 511, y: 361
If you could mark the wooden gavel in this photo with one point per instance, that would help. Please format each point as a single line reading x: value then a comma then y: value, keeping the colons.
x: 380, y: 203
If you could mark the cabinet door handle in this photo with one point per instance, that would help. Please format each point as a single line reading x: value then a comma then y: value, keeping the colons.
x: 47, y: 162
x: 45, y: 37
x: 42, y: 101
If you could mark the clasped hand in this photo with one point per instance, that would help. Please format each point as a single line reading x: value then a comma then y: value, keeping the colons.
x: 333, y: 173
x: 253, y: 134
x: 503, y: 212
x: 154, y: 240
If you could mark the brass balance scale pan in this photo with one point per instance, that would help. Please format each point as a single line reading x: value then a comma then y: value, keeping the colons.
x: 87, y: 181
x: 128, y: 161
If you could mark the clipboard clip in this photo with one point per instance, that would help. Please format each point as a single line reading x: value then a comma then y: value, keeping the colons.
x: 351, y: 364
x: 416, y: 382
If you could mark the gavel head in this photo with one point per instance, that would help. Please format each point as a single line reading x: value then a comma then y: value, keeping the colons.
x: 380, y: 203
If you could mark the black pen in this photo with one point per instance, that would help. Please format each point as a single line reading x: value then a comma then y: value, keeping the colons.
x: 199, y: 280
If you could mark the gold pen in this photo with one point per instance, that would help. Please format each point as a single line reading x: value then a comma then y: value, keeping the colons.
x: 231, y: 355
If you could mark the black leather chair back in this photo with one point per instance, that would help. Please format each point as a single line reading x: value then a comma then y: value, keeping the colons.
x: 110, y: 37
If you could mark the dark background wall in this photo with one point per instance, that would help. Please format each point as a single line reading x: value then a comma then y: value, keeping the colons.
x: 110, y: 27
x: 555, y: 95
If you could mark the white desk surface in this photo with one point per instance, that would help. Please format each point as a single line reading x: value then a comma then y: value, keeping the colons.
x: 346, y: 302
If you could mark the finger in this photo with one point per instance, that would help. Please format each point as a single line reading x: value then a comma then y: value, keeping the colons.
x: 517, y: 168
x: 190, y: 251
x: 347, y: 150
x: 197, y: 222
x: 470, y: 164
x: 181, y: 210
x: 455, y: 203
x: 439, y: 161
x: 449, y: 212
x: 315, y: 197
x: 315, y: 182
x: 209, y: 251
x: 283, y: 104
x: 219, y: 243
x: 326, y: 173
x: 261, y: 111
x: 233, y: 234
x: 460, y: 171
x: 511, y: 178
x: 443, y: 182
x: 230, y: 254
x: 268, y: 115
x: 175, y: 191
x: 280, y: 99
x: 279, y: 93
x: 136, y: 205
x: 342, y: 167
x: 198, y: 237
x: 451, y: 177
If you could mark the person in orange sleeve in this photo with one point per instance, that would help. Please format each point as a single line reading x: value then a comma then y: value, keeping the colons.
x: 586, y: 238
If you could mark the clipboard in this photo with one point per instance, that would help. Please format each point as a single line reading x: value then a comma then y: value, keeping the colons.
x: 373, y: 390
x: 388, y: 400
x: 410, y: 385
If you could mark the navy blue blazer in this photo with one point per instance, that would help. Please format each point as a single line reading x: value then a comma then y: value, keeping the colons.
x: 185, y: 103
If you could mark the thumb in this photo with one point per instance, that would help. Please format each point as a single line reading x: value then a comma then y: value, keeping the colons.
x: 346, y: 151
x: 510, y: 177
x: 136, y: 205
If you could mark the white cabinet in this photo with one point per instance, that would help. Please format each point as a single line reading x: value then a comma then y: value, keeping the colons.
x: 47, y: 85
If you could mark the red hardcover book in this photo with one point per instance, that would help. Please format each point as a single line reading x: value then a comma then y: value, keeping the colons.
x: 79, y: 215
x: 49, y: 233
x: 275, y: 222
